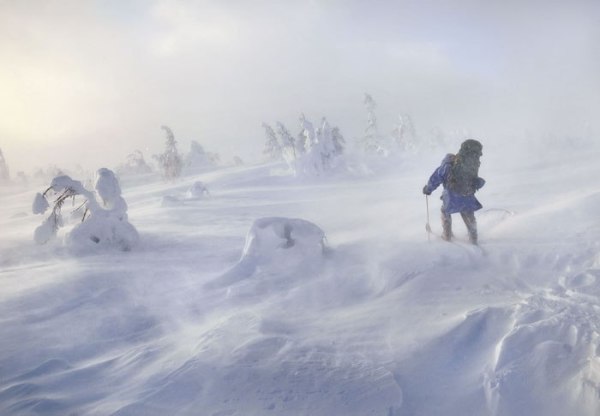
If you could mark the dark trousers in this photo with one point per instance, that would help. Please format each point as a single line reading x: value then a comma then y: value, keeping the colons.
x: 470, y: 221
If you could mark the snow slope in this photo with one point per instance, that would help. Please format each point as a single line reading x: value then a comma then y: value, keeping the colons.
x: 230, y: 304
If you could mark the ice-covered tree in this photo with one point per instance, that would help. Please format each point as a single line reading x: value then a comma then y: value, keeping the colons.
x: 311, y: 162
x: 272, y: 148
x: 286, y: 137
x: 339, y: 142
x: 288, y: 145
x: 372, y: 141
x: 326, y: 145
x: 309, y: 133
x: 323, y: 148
x: 170, y: 161
x: 300, y: 143
x: 404, y: 135
x: 4, y: 173
x: 104, y: 222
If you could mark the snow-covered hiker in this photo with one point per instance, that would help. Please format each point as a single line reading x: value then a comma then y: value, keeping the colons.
x: 459, y: 175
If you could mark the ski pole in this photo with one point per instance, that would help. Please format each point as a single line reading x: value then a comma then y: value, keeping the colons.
x: 427, y: 226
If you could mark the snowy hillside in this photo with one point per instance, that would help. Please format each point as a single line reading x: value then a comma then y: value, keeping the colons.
x: 233, y: 303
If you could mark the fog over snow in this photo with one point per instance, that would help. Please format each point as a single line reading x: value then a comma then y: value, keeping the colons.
x: 101, y: 77
x: 256, y: 271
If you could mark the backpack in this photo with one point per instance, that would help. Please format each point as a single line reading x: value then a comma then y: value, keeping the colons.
x: 464, y: 171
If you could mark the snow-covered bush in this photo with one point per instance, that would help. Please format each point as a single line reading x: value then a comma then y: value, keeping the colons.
x: 135, y: 165
x: 170, y: 162
x: 104, y: 223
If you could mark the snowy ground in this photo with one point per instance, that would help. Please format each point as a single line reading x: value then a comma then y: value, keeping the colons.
x: 194, y: 321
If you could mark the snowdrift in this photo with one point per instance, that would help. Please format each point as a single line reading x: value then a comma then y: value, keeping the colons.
x: 277, y: 249
x: 234, y: 304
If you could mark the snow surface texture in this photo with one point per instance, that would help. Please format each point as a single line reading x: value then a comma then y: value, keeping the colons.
x: 237, y: 305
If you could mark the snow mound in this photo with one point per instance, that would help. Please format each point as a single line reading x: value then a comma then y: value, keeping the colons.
x: 197, y: 191
x: 446, y: 373
x: 549, y: 362
x: 277, y: 248
x: 102, y: 232
x: 274, y: 237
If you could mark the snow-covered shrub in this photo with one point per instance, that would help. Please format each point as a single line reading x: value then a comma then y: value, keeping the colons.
x: 104, y: 223
x: 170, y: 162
x: 135, y: 165
x: 197, y: 190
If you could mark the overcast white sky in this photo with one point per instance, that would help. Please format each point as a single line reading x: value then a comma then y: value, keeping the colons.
x: 95, y: 80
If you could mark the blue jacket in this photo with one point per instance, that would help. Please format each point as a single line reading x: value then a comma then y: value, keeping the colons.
x: 452, y: 202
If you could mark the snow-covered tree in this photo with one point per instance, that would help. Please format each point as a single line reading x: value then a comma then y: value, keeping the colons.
x: 309, y: 133
x: 339, y: 142
x: 300, y: 142
x: 104, y: 222
x: 4, y: 173
x: 170, y: 161
x: 272, y: 146
x: 135, y: 165
x: 323, y: 148
x: 404, y: 135
x: 288, y: 145
x: 198, y: 159
x: 372, y: 141
x: 311, y: 160
x: 326, y: 145
x: 312, y: 152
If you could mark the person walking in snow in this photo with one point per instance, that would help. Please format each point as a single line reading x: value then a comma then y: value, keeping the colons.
x: 459, y: 174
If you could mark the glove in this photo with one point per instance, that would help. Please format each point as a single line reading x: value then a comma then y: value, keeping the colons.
x: 480, y: 183
x: 426, y: 190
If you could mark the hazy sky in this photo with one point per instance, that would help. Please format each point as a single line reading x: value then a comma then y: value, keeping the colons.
x: 94, y: 80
